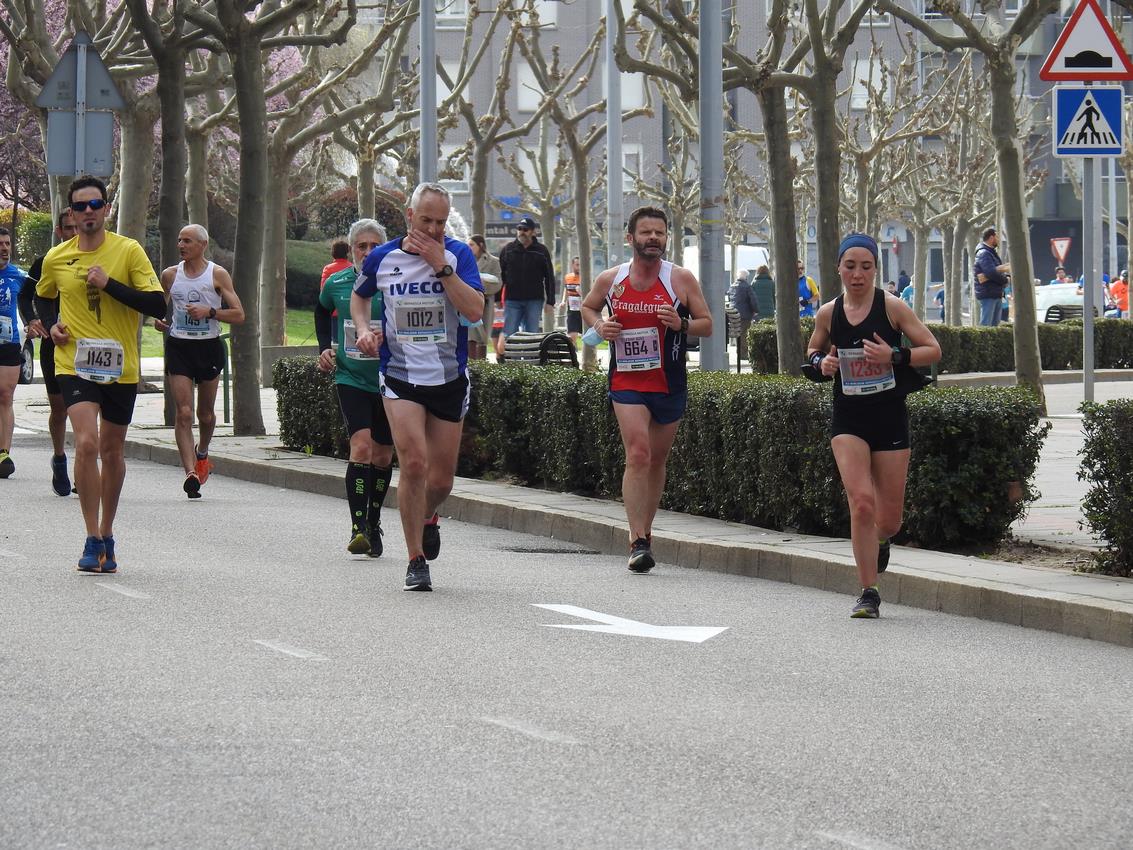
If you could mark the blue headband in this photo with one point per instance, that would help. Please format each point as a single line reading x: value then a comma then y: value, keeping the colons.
x: 858, y: 240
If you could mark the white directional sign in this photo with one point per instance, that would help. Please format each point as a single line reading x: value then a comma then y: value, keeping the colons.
x: 1088, y: 50
x: 633, y: 628
x: 1087, y: 120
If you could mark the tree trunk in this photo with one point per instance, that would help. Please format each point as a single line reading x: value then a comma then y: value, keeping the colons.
x: 861, y: 217
x: 828, y: 179
x: 478, y: 187
x: 921, y: 235
x: 273, y: 274
x: 136, y: 180
x: 954, y: 280
x: 248, y: 73
x: 366, y: 205
x: 582, y: 226
x: 196, y: 180
x: 789, y: 341
x: 1009, y: 159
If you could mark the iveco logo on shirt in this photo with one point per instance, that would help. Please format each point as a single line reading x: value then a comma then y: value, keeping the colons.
x: 414, y: 288
x: 396, y: 272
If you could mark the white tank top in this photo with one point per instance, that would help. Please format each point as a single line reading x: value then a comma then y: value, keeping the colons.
x: 193, y: 290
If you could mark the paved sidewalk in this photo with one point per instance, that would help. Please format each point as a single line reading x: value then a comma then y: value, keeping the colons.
x: 1090, y: 606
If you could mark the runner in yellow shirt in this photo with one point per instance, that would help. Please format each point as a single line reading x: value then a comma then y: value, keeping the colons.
x: 103, y: 282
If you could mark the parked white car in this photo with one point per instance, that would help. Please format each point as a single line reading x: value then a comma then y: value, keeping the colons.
x: 1057, y: 302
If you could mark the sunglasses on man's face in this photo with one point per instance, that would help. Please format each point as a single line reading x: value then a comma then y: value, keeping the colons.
x: 81, y: 206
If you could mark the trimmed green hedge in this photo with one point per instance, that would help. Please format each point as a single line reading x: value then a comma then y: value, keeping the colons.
x: 750, y: 449
x: 1108, y: 467
x: 305, y: 261
x: 967, y: 349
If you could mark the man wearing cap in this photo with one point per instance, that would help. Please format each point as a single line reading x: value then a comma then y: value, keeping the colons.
x: 529, y: 280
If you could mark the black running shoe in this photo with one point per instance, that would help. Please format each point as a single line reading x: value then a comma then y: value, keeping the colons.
x: 7, y: 465
x: 868, y: 605
x: 60, y: 480
x: 359, y: 543
x: 192, y: 486
x: 640, y: 556
x: 883, y: 556
x: 431, y: 538
x: 417, y: 576
x: 375, y: 535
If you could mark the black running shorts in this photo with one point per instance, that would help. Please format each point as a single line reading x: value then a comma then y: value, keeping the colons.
x: 115, y: 400
x: 362, y: 410
x: 445, y: 401
x: 574, y: 322
x: 199, y: 359
x: 47, y: 366
x: 884, y: 425
x: 11, y: 354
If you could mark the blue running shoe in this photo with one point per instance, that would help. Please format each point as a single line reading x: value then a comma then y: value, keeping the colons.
x: 868, y: 606
x: 93, y: 552
x: 60, y: 480
x: 109, y: 564
x: 417, y: 576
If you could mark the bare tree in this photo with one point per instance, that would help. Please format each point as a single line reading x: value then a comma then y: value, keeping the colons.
x: 999, y: 44
x: 244, y: 29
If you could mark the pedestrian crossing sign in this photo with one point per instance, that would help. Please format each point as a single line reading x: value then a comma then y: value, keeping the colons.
x: 1087, y: 120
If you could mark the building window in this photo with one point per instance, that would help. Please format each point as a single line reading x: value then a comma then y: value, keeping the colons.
x: 528, y: 94
x: 451, y: 14
x: 548, y: 13
x: 453, y: 71
x: 633, y: 89
x: 631, y: 165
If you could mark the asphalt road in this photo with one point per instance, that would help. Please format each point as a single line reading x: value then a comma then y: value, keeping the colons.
x: 244, y: 682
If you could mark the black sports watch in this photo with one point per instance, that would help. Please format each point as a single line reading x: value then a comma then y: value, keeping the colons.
x: 212, y: 312
x: 684, y: 324
x: 444, y: 271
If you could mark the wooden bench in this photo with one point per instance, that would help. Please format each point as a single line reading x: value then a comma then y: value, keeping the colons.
x: 552, y: 349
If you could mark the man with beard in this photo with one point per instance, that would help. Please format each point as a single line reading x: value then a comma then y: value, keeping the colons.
x: 653, y: 306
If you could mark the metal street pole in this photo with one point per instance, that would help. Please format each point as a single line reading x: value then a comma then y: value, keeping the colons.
x: 615, y: 210
x: 427, y: 151
x: 1111, y: 185
x: 1091, y: 265
x: 713, y: 349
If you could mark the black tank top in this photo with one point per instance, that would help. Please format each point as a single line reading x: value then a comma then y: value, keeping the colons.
x: 845, y: 335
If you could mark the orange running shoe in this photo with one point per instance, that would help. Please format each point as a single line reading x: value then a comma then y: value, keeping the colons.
x: 203, y: 467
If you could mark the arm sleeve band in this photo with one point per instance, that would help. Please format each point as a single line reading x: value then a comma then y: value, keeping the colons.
x: 322, y: 326
x: 148, y: 303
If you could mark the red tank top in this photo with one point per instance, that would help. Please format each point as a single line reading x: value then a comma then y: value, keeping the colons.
x: 638, y: 361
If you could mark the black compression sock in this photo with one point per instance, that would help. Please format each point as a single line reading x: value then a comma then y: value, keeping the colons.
x: 357, y: 480
x: 380, y: 476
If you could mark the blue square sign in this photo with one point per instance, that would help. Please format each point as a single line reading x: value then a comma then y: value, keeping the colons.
x: 1087, y: 120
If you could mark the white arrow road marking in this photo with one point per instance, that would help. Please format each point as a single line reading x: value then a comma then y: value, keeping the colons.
x: 633, y: 628
x: 860, y: 842
x: 293, y: 651
x: 125, y: 591
x: 530, y: 731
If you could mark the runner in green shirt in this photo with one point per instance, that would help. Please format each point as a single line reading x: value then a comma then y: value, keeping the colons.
x: 369, y: 469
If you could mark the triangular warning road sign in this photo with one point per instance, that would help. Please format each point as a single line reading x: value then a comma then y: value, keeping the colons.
x: 1060, y: 247
x: 1088, y: 49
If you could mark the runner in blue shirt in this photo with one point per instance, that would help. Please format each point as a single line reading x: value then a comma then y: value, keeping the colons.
x: 12, y: 279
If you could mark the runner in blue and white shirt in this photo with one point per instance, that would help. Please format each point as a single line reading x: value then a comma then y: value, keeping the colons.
x: 428, y: 282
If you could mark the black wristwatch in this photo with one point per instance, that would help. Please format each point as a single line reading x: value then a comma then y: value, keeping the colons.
x: 212, y: 312
x: 445, y: 271
x: 684, y: 324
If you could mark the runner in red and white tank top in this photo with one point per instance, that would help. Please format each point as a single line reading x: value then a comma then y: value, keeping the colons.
x: 653, y: 305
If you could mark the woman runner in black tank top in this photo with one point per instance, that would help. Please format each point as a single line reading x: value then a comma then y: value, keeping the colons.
x: 856, y: 341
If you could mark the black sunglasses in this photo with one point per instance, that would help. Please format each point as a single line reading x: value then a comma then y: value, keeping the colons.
x: 81, y: 206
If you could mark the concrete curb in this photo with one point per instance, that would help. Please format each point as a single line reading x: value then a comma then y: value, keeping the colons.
x: 1077, y: 605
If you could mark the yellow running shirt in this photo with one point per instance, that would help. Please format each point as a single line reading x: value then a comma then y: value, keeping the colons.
x: 87, y: 311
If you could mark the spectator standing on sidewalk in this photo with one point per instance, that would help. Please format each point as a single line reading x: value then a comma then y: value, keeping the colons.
x: 992, y: 277
x: 743, y: 299
x: 529, y: 280
x: 572, y: 300
x: 480, y: 336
